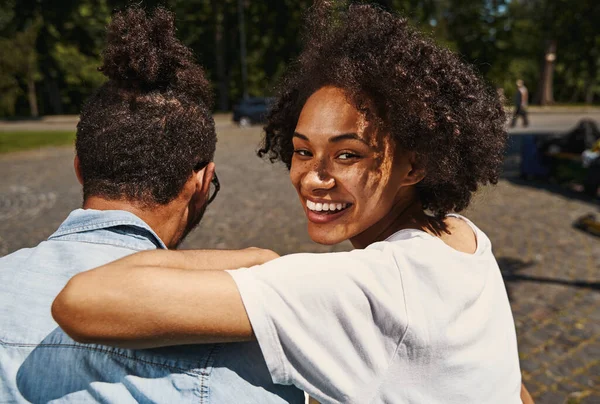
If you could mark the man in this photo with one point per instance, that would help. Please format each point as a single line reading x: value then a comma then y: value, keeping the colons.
x: 144, y: 146
x: 521, y: 101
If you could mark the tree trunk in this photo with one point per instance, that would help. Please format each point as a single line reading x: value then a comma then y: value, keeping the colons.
x: 243, y: 60
x: 591, y: 79
x: 32, y: 95
x: 222, y: 85
x: 547, y: 96
x: 589, y: 91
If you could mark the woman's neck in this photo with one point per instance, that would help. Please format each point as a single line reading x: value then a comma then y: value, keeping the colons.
x: 407, y: 213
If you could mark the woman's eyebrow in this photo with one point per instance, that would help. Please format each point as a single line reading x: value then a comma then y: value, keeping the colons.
x: 347, y: 136
x: 334, y: 139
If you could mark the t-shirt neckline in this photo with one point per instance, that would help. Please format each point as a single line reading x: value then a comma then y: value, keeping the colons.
x: 421, y: 233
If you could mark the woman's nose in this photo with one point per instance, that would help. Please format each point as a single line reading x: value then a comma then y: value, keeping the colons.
x: 318, y: 179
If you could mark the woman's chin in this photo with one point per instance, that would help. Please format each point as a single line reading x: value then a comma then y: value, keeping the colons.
x: 322, y: 236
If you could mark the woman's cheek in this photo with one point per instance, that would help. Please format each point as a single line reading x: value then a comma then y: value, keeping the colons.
x: 367, y: 183
x: 296, y: 172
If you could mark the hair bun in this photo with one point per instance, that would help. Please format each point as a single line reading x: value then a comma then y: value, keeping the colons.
x: 142, y: 52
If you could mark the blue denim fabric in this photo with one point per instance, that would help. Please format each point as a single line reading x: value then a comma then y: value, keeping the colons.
x: 40, y: 363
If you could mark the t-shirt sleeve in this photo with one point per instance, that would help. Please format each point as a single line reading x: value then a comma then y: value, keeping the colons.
x: 327, y: 323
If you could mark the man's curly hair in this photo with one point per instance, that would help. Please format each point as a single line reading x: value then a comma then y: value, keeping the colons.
x: 424, y: 96
x: 142, y: 133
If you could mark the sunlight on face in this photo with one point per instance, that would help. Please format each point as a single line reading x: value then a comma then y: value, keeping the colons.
x: 347, y: 175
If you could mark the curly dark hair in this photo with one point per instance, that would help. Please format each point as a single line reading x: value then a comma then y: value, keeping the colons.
x: 430, y: 101
x: 142, y: 133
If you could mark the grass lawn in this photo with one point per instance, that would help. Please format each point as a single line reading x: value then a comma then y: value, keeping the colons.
x: 15, y: 141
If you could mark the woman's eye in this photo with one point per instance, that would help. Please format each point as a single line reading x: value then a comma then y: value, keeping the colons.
x: 347, y: 156
x: 302, y: 152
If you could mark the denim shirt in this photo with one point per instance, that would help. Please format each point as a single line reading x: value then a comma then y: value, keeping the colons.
x: 40, y: 363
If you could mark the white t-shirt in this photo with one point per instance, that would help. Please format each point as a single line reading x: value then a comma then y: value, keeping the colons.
x: 406, y: 320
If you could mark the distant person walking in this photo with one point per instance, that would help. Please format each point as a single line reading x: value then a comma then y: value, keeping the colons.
x: 521, y: 100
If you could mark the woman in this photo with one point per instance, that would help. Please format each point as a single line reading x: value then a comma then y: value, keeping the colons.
x: 384, y: 134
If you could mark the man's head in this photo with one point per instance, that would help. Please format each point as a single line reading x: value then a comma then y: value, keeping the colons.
x: 519, y: 83
x: 147, y: 137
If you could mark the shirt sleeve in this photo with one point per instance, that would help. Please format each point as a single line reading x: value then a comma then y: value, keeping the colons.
x: 328, y: 323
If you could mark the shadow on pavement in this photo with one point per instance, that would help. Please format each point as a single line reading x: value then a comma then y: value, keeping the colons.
x: 510, y: 268
x: 555, y: 188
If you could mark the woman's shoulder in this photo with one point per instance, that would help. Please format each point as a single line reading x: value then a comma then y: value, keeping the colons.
x: 459, y: 236
x: 372, y: 258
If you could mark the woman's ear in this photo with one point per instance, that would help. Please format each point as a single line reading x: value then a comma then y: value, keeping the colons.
x: 416, y: 172
x: 77, y: 167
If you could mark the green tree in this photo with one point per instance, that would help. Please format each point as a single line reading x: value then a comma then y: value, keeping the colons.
x: 20, y: 66
x: 562, y: 39
x: 55, y: 45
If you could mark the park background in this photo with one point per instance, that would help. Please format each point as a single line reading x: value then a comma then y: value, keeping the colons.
x: 51, y: 48
x: 50, y: 51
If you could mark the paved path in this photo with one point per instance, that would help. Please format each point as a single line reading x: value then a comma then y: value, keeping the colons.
x: 552, y: 119
x: 551, y: 269
x: 69, y: 123
x: 555, y: 121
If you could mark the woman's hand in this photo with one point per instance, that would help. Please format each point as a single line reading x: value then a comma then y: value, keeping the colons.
x: 159, y: 298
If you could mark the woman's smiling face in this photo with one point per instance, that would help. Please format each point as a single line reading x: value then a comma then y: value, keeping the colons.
x: 347, y: 175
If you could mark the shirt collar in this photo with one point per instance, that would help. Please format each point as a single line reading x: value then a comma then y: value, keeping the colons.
x: 86, y: 220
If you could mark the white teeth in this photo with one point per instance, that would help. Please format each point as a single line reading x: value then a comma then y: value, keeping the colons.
x: 327, y: 207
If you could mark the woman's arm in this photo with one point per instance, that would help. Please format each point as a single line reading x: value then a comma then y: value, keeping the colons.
x: 158, y: 298
x: 525, y: 396
x: 203, y: 259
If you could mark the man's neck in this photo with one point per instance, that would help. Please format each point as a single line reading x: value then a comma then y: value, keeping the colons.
x: 164, y: 220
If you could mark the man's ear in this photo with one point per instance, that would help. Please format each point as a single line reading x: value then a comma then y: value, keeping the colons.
x: 416, y: 172
x: 204, y: 177
x: 77, y: 167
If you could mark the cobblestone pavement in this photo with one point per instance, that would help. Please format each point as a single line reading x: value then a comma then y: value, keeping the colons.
x: 552, y: 270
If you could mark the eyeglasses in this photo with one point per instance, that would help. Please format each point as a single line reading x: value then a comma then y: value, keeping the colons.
x: 215, y: 185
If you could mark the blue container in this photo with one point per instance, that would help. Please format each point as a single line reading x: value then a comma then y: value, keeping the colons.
x: 533, y: 163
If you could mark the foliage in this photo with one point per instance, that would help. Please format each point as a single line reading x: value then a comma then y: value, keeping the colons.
x: 56, y: 44
x: 18, y: 66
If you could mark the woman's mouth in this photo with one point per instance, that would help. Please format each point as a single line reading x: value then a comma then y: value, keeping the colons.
x: 324, y: 212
